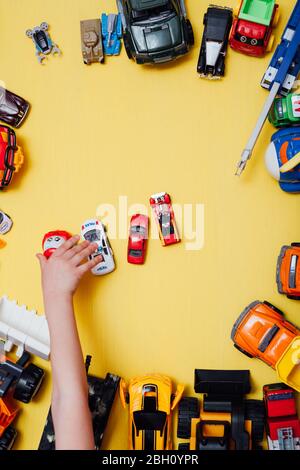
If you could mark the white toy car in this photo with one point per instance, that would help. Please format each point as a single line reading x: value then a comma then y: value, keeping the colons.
x: 5, y: 223
x: 93, y: 231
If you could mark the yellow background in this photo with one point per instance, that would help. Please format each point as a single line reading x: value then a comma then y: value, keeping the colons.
x: 95, y: 133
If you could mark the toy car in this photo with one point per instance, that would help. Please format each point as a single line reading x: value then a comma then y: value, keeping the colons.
x: 138, y: 236
x: 165, y: 218
x: 285, y: 111
x: 283, y: 425
x: 13, y: 108
x: 11, y: 156
x: 227, y: 420
x: 151, y: 400
x: 53, y: 240
x: 155, y: 31
x: 91, y: 41
x: 93, y: 231
x: 5, y: 223
x: 43, y: 43
x: 251, y: 32
x: 111, y: 33
x: 8, y: 412
x: 287, y: 272
x: 217, y: 24
x: 282, y: 159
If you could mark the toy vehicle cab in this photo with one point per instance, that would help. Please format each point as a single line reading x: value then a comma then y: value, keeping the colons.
x: 217, y: 24
x: 288, y: 271
x: 138, y: 236
x: 13, y: 108
x: 155, y: 31
x: 151, y: 400
x: 93, y: 231
x: 251, y: 32
x: 11, y: 156
x: 285, y: 111
x: 53, y: 240
x: 165, y: 218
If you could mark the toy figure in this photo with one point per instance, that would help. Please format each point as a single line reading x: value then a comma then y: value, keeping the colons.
x: 111, y: 33
x: 53, y: 240
x: 42, y: 41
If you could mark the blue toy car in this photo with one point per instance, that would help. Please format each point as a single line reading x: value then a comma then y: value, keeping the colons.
x: 111, y: 33
x: 283, y: 159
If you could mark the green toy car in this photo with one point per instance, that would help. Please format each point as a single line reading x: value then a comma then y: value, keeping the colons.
x: 286, y: 111
x: 155, y: 31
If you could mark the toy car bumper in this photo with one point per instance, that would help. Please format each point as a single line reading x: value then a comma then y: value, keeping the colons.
x: 255, y: 51
x: 242, y: 317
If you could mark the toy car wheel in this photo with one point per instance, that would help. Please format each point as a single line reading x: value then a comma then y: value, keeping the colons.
x: 293, y: 297
x: 127, y: 46
x: 29, y: 383
x: 255, y: 412
x: 8, y: 438
x: 243, y: 351
x: 276, y: 18
x: 189, y: 33
x: 274, y: 308
x: 184, y: 447
x: 297, y: 244
x: 270, y: 43
x: 188, y: 409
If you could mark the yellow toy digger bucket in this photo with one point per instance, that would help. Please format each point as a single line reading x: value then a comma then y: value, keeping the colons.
x: 288, y: 366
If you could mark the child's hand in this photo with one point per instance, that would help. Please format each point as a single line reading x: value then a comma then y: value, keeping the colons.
x: 62, y: 272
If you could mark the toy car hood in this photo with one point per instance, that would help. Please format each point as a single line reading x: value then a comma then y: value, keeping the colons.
x: 157, y: 36
x: 251, y: 30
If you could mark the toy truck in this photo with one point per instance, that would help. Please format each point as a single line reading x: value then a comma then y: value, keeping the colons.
x: 251, y: 32
x: 285, y: 111
x: 226, y: 420
x: 287, y: 272
x: 11, y: 156
x: 283, y: 425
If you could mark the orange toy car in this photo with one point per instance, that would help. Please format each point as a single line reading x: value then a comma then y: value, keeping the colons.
x: 8, y: 434
x: 288, y: 271
x: 151, y: 401
x: 261, y: 331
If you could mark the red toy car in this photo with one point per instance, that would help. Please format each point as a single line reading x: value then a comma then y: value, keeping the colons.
x: 53, y: 240
x: 283, y: 425
x: 251, y: 31
x: 165, y: 219
x: 138, y: 236
x: 11, y: 156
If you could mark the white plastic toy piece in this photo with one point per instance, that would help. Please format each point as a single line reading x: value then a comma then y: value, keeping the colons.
x: 93, y: 230
x: 5, y: 223
x: 271, y: 161
x: 23, y: 328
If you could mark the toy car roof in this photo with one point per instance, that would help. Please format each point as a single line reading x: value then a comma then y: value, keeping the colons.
x: 257, y: 11
x: 140, y: 5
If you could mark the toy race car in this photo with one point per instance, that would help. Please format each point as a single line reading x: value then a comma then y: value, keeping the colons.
x: 165, y: 218
x: 151, y: 400
x: 93, y: 231
x: 43, y: 43
x: 53, y: 240
x: 5, y: 223
x: 11, y: 156
x: 288, y: 271
x: 251, y: 32
x: 227, y: 420
x: 155, y: 31
x: 137, y: 241
x: 111, y: 33
x: 282, y: 159
x: 217, y: 24
x: 283, y: 425
x: 13, y: 108
x: 91, y: 41
x: 286, y: 111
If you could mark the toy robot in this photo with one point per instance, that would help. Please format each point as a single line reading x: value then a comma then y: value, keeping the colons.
x: 42, y: 41
x: 53, y: 240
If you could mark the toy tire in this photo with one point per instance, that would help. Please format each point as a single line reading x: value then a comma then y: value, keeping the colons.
x: 8, y: 438
x: 29, y: 383
x: 293, y: 297
x: 127, y: 46
x: 274, y: 308
x: 189, y: 33
x: 188, y: 409
x: 255, y: 411
x: 184, y: 447
x: 297, y: 244
x: 243, y: 351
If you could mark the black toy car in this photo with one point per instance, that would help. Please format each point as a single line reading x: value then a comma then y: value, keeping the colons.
x: 13, y: 108
x: 217, y: 24
x: 155, y: 31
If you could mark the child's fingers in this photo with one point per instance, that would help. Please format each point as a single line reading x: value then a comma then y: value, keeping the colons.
x: 76, y: 249
x: 66, y: 246
x: 41, y: 259
x: 84, y: 268
x: 83, y: 254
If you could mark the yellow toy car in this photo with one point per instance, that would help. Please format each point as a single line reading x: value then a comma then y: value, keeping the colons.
x: 151, y: 401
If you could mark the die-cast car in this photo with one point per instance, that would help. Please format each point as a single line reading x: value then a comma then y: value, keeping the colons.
x: 8, y: 412
x: 53, y: 240
x: 93, y: 230
x: 285, y: 111
x: 11, y: 156
x: 251, y: 32
x: 288, y: 271
x: 164, y: 218
x: 111, y: 33
x: 151, y: 401
x: 137, y: 241
x: 5, y: 223
x: 91, y: 41
x: 155, y: 31
x: 13, y: 108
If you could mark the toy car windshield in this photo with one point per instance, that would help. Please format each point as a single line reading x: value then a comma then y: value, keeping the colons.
x: 138, y: 229
x: 149, y: 421
x: 141, y: 5
x: 93, y: 235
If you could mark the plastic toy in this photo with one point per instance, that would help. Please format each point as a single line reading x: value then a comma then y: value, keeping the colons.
x: 13, y: 108
x: 151, y: 400
x: 217, y: 24
x: 43, y: 43
x: 91, y: 41
x: 53, y: 240
x: 165, y: 218
x: 279, y: 78
x: 2, y: 244
x: 8, y: 412
x: 287, y: 272
x: 102, y: 393
x: 24, y: 329
x: 252, y: 29
x: 111, y: 33
x: 5, y: 223
x: 285, y: 111
x: 283, y: 425
x: 11, y: 156
x: 138, y: 236
x: 93, y: 231
x: 155, y: 31
x: 262, y: 332
x: 227, y: 420
x: 282, y: 159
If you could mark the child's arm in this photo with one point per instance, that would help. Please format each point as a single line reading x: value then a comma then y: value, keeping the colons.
x: 70, y: 412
